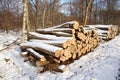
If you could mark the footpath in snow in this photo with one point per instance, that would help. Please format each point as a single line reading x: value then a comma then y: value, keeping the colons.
x: 101, y: 64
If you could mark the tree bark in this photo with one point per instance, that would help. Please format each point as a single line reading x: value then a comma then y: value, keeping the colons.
x: 26, y: 24
x: 87, y: 10
x: 44, y: 12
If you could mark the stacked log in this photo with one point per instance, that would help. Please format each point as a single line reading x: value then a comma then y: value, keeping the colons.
x: 60, y: 48
x: 63, y: 43
x: 105, y: 32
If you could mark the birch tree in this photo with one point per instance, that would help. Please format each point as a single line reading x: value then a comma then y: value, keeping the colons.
x: 26, y: 24
x: 44, y: 12
x: 87, y: 10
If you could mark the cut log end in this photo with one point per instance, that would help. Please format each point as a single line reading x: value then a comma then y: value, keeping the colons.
x: 76, y: 25
x: 58, y: 53
x: 36, y: 54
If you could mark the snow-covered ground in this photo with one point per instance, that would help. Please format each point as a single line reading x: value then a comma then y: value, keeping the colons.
x: 101, y: 64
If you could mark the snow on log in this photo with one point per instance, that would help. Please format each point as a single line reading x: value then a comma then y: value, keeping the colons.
x: 56, y: 33
x: 75, y: 23
x: 55, y: 43
x: 102, y: 31
x: 62, y: 34
x: 44, y: 48
x: 24, y: 54
x: 48, y: 41
x: 36, y: 54
x: 99, y: 26
x: 48, y: 31
x: 65, y: 34
x: 34, y: 35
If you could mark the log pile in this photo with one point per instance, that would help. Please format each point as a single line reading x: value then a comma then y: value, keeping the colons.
x: 105, y: 32
x: 62, y: 43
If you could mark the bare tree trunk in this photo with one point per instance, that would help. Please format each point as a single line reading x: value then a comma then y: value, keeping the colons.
x: 44, y: 12
x: 36, y: 14
x: 26, y: 24
x: 44, y: 17
x: 87, y: 10
x: 82, y: 14
x: 24, y: 20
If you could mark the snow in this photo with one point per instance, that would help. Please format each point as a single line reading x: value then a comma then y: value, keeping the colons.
x: 7, y: 38
x: 99, y: 26
x: 63, y: 33
x: 101, y: 64
x: 102, y: 31
x: 61, y: 67
x: 41, y: 46
x: 48, y: 41
x: 58, y: 29
x: 50, y: 37
x: 37, y: 54
x: 24, y: 53
x: 58, y: 26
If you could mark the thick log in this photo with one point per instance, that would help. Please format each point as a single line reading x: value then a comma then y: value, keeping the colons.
x: 67, y: 54
x: 89, y: 33
x: 41, y: 47
x: 62, y: 34
x: 79, y: 54
x: 73, y: 41
x: 72, y: 49
x: 51, y: 42
x: 89, y: 47
x: 69, y: 25
x: 62, y: 58
x: 47, y: 31
x: 87, y: 40
x: 67, y: 43
x: 36, y: 54
x: 94, y: 32
x: 34, y: 35
x: 95, y: 43
x: 56, y: 33
x: 73, y: 33
x: 58, y: 53
x: 79, y: 46
x: 76, y: 25
x: 81, y: 36
x: 74, y: 56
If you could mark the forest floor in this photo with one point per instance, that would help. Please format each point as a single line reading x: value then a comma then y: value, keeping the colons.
x: 101, y: 64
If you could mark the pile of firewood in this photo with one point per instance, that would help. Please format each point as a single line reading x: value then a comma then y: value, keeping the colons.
x: 61, y: 43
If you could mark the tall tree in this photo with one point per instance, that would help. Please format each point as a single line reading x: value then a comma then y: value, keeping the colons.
x: 26, y: 24
x: 87, y: 10
x: 44, y: 13
x: 37, y: 10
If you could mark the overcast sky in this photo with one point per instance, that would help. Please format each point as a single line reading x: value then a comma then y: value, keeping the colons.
x: 62, y: 1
